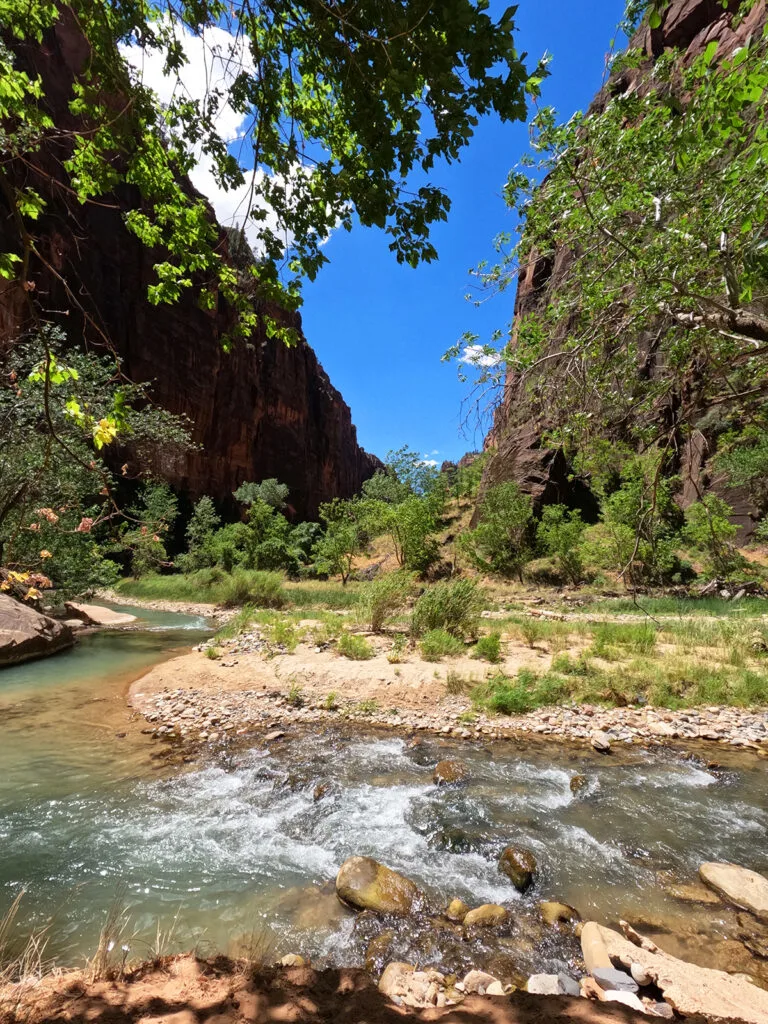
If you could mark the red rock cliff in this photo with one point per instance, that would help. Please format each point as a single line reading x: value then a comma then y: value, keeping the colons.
x: 689, y: 26
x: 261, y: 410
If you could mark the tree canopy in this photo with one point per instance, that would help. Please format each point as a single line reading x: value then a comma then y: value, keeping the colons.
x: 652, y: 217
x: 350, y: 107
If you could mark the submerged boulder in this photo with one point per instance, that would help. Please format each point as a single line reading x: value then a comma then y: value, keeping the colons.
x: 556, y: 914
x: 26, y: 634
x: 367, y: 885
x: 449, y: 773
x: 519, y: 865
x: 745, y: 888
x: 489, y: 915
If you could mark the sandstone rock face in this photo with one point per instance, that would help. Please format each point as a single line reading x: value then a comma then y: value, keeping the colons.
x: 367, y: 885
x: 738, y: 885
x: 261, y: 410
x: 519, y: 454
x: 26, y: 634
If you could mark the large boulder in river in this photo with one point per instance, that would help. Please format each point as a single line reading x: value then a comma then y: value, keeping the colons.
x: 26, y: 634
x: 97, y: 615
x: 738, y: 885
x: 489, y: 915
x: 365, y: 884
x: 519, y: 865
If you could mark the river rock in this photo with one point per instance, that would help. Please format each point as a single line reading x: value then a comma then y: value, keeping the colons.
x: 629, y: 999
x: 600, y: 742
x: 367, y: 885
x: 489, y: 915
x: 612, y: 980
x: 96, y: 615
x: 687, y: 988
x: 406, y: 986
x: 479, y: 982
x: 449, y: 773
x: 457, y: 910
x: 292, y: 960
x: 593, y: 948
x: 378, y: 951
x: 519, y: 865
x: 26, y: 634
x: 745, y: 888
x: 577, y: 783
x: 554, y: 914
x: 552, y: 985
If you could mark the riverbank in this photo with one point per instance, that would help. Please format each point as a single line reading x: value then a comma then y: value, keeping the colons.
x: 186, y: 990
x: 199, y: 698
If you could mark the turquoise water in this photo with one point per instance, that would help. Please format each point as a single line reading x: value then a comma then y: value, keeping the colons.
x: 234, y: 846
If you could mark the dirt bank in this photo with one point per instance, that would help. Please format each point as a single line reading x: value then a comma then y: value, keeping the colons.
x: 248, y: 689
x: 184, y: 990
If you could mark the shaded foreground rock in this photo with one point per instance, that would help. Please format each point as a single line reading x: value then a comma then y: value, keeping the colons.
x: 26, y: 634
x: 687, y: 988
x: 745, y: 888
x: 367, y: 885
x: 406, y: 986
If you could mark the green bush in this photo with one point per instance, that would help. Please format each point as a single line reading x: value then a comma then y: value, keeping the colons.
x: 438, y: 643
x: 501, y: 541
x: 518, y: 695
x: 452, y: 605
x: 709, y: 529
x: 383, y: 597
x: 561, y: 534
x: 261, y: 589
x: 488, y: 648
x: 355, y: 647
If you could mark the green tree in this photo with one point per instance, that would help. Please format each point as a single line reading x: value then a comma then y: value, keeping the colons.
x: 351, y: 108
x: 385, y: 486
x: 561, y: 534
x: 501, y: 542
x: 201, y: 528
x: 270, y: 491
x: 653, y: 207
x: 708, y: 528
x: 411, y: 526
x: 60, y: 414
x: 151, y: 521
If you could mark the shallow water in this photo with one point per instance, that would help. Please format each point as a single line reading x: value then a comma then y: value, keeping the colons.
x: 236, y: 850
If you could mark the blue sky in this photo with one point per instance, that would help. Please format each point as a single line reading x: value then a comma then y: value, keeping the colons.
x: 379, y: 328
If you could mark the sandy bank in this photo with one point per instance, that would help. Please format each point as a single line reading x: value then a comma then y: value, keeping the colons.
x: 184, y: 990
x: 246, y: 690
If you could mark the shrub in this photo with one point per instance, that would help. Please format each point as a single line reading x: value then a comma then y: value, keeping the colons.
x: 439, y: 643
x: 262, y: 589
x: 455, y: 683
x: 452, y: 605
x: 523, y: 693
x: 385, y: 596
x: 355, y: 647
x: 283, y: 633
x: 295, y: 696
x: 488, y: 648
x: 501, y: 541
x: 331, y: 701
x: 213, y: 653
x: 709, y: 529
x: 531, y: 631
x: 561, y: 534
x: 397, y: 654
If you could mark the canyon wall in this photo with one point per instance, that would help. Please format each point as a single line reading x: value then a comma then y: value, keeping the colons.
x: 261, y: 410
x: 515, y: 439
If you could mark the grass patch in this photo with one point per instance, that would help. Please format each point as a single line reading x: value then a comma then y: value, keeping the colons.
x: 439, y: 643
x: 610, y: 640
x: 452, y: 605
x: 397, y: 654
x: 384, y: 597
x: 323, y: 595
x: 354, y: 647
x: 210, y: 586
x: 331, y: 701
x: 213, y: 653
x: 283, y: 633
x: 516, y: 695
x: 488, y: 648
x: 295, y: 696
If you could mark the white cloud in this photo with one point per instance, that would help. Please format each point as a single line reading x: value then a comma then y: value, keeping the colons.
x: 476, y: 355
x: 214, y: 59
x: 428, y: 462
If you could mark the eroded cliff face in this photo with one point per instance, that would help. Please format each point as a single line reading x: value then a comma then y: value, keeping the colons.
x: 519, y: 423
x: 261, y: 410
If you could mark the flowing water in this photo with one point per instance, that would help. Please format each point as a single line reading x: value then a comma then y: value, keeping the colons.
x: 235, y: 851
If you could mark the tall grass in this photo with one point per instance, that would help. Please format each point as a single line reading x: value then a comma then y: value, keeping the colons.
x: 452, y: 605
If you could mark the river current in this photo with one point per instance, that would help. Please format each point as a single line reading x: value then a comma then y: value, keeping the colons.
x: 236, y: 849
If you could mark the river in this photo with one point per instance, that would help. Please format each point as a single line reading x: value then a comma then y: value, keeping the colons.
x: 233, y: 850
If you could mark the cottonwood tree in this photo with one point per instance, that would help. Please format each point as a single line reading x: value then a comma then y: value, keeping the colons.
x: 653, y: 210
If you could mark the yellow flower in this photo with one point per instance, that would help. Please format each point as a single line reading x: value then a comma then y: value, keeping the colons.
x: 45, y: 553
